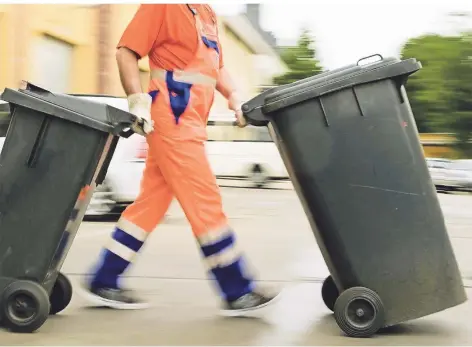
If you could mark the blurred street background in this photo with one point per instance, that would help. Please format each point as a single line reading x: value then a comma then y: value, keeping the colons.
x: 70, y: 48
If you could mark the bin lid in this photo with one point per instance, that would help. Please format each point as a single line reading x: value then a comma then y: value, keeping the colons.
x: 325, y: 83
x: 85, y: 112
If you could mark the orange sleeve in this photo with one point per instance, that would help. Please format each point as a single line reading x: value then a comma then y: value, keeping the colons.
x: 142, y: 33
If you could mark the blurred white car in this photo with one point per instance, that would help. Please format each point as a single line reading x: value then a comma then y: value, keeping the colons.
x: 450, y: 174
x: 438, y: 171
x: 459, y: 174
x: 248, y: 153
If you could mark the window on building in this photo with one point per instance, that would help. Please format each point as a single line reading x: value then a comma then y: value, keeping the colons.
x: 52, y: 64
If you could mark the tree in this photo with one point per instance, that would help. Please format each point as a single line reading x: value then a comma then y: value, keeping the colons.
x: 458, y: 85
x: 300, y: 59
x: 440, y: 93
x: 426, y: 88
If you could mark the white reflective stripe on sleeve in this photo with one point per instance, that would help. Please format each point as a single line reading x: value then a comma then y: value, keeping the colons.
x: 185, y: 77
x: 159, y: 74
x: 226, y: 257
x: 132, y: 229
x: 214, y: 236
x: 121, y: 250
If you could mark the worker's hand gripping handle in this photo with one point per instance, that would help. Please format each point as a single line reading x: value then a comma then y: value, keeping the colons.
x: 139, y: 106
x: 252, y: 110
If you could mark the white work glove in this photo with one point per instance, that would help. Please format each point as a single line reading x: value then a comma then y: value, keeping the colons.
x: 139, y: 104
x: 235, y: 104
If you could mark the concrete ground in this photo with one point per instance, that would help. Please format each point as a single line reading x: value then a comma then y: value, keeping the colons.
x: 169, y: 273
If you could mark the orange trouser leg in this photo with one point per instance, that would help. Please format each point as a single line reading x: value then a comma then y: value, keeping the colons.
x: 186, y: 169
x: 135, y: 224
x: 153, y: 200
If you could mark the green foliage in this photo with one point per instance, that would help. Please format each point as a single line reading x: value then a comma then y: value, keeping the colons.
x: 441, y: 92
x: 300, y: 59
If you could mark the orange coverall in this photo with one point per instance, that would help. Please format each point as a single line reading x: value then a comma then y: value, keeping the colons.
x: 185, y: 57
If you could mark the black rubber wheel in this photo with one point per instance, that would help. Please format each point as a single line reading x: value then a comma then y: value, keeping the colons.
x: 61, y: 294
x: 258, y: 177
x: 329, y: 292
x: 25, y: 306
x: 359, y: 312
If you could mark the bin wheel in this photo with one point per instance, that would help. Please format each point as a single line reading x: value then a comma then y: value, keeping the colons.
x: 257, y: 176
x: 359, y: 312
x: 329, y: 292
x: 25, y: 306
x: 61, y: 294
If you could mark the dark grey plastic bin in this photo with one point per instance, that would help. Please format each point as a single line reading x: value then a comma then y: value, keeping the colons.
x: 350, y: 143
x: 56, y: 151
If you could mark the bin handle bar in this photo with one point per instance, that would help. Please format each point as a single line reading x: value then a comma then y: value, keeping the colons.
x: 252, y: 110
x: 125, y: 133
x: 25, y: 85
x: 370, y: 56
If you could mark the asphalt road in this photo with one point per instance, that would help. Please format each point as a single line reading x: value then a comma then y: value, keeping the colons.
x: 273, y: 230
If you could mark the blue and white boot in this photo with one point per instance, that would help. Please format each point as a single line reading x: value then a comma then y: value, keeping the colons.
x: 226, y: 265
x: 103, y: 289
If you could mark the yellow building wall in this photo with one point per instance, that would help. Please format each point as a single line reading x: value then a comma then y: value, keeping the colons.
x: 5, y: 46
x: 74, y: 24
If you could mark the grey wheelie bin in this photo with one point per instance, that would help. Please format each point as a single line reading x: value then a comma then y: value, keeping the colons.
x: 350, y: 144
x: 56, y: 151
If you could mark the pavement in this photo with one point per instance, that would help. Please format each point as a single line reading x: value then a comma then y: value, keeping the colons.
x: 275, y: 233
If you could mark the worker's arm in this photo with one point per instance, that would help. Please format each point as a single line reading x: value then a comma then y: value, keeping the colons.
x: 225, y: 84
x: 127, y: 61
x: 139, y: 103
x: 226, y: 87
x: 139, y: 38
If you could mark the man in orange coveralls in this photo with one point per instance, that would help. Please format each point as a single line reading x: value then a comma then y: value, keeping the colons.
x: 186, y: 65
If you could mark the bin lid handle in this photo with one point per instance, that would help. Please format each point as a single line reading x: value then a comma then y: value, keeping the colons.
x: 25, y: 85
x: 125, y: 133
x: 368, y: 57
